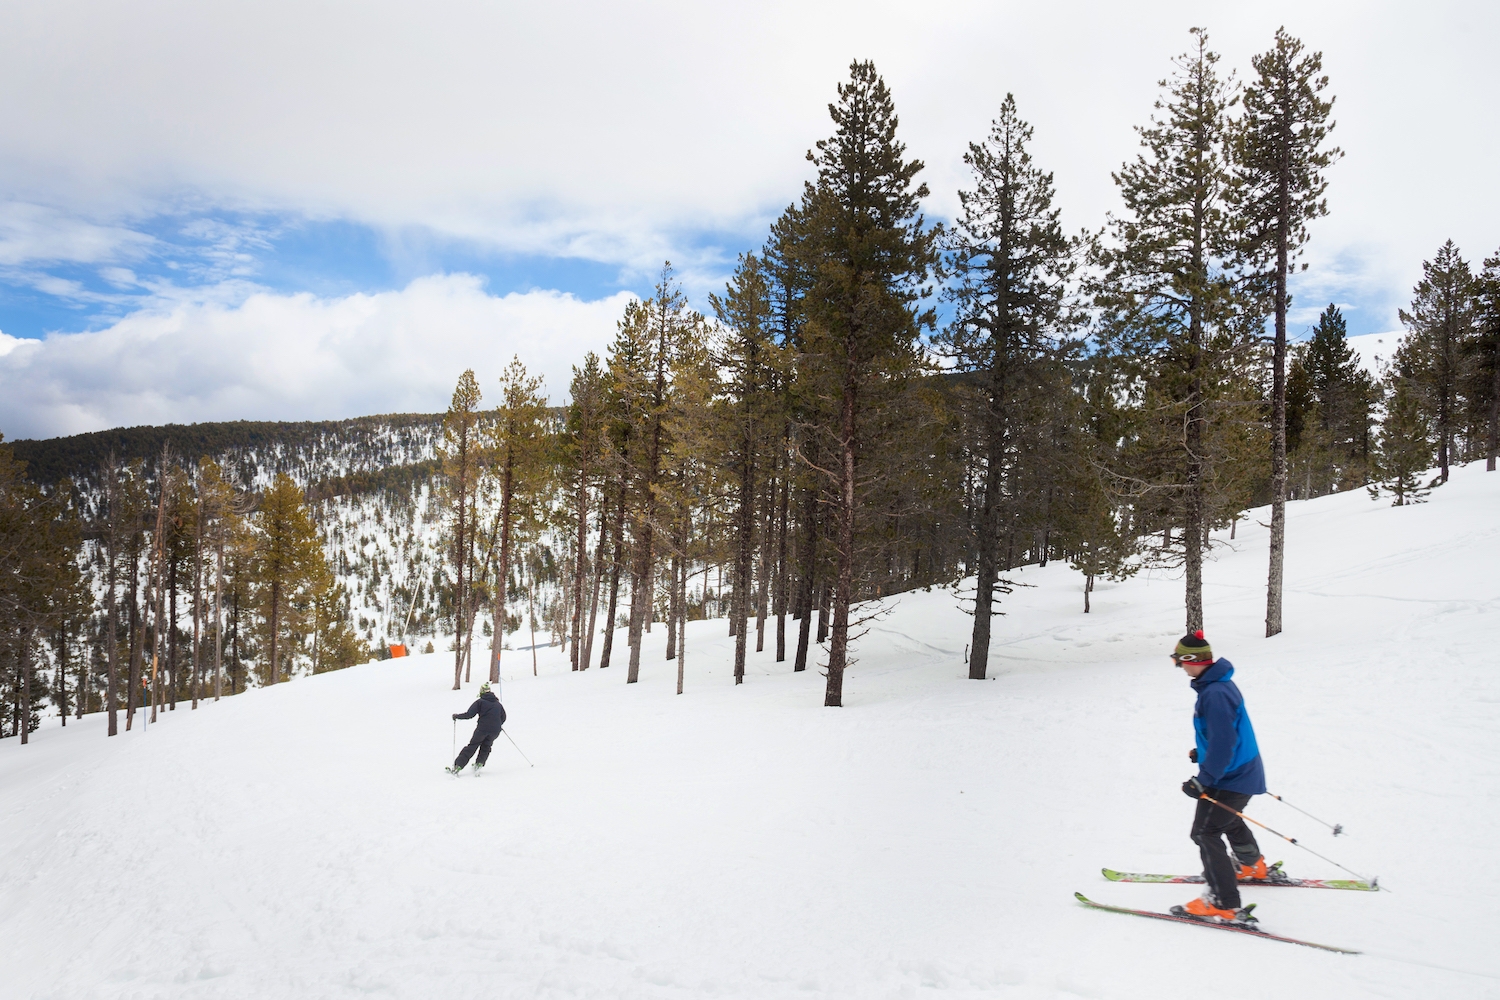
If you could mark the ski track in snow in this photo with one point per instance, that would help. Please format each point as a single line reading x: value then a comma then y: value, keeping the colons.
x: 925, y: 840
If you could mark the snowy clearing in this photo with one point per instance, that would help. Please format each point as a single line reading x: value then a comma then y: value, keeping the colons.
x: 927, y: 839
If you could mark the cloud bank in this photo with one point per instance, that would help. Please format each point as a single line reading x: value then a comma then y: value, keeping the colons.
x: 624, y: 132
x: 295, y: 357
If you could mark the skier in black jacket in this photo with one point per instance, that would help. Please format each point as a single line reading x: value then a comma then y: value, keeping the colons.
x: 491, y: 719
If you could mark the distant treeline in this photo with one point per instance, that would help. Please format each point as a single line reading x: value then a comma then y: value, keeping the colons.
x: 80, y: 456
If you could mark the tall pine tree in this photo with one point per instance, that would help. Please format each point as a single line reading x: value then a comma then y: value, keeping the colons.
x: 1281, y: 158
x: 1010, y: 263
x: 871, y: 252
x: 1168, y: 305
x: 1439, y: 324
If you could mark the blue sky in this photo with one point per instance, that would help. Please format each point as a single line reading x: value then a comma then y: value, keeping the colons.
x: 332, y: 258
x: 215, y: 212
x: 328, y: 258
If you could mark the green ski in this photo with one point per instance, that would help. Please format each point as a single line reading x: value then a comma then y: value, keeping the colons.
x: 1210, y: 923
x: 1276, y: 879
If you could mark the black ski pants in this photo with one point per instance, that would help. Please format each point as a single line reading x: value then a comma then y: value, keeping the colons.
x: 481, y: 742
x: 1211, y: 825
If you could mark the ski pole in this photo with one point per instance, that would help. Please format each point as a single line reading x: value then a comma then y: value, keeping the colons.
x: 518, y: 749
x: 1374, y: 882
x: 1337, y: 828
x: 455, y: 736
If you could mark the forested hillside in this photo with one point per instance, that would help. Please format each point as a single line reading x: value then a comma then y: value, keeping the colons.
x: 812, y: 438
x: 358, y: 455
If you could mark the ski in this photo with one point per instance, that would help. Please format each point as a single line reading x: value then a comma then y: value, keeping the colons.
x: 1209, y: 923
x: 1303, y: 883
x: 455, y: 771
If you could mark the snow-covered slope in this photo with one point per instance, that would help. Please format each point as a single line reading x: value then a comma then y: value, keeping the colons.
x: 302, y: 841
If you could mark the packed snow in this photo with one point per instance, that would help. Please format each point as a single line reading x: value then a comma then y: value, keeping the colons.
x: 924, y: 840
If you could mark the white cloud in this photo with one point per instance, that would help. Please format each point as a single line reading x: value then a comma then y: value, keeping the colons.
x: 621, y: 132
x: 294, y: 357
x: 33, y: 234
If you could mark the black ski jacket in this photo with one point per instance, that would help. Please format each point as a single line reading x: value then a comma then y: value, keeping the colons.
x: 491, y: 714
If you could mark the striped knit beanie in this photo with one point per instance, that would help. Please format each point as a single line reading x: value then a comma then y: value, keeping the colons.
x: 1193, y: 648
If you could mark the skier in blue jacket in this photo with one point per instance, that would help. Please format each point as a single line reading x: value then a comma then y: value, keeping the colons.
x: 1229, y: 772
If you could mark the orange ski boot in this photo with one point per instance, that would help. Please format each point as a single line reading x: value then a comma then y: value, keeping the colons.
x: 1207, y: 908
x: 1256, y: 871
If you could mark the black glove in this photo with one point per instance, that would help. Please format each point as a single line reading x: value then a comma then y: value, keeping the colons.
x: 455, y: 716
x: 1193, y: 755
x: 1192, y: 789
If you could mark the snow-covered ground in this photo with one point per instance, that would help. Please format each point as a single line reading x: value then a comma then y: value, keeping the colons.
x: 1375, y: 349
x: 925, y: 840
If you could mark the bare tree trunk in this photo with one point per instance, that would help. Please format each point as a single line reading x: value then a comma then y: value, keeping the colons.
x: 62, y: 674
x: 135, y: 638
x: 682, y: 606
x: 219, y: 620
x: 1278, y: 416
x: 158, y: 578
x: 1192, y: 535
x: 461, y: 557
x: 1494, y: 448
x: 275, y: 624
x: 598, y: 576
x: 838, y: 649
x: 987, y: 571
x: 23, y: 658
x: 782, y: 582
x: 502, y: 571
x: 672, y: 607
x: 198, y: 604
x: 614, y: 578
x: 111, y: 609
x: 825, y: 597
x: 85, y: 674
x: 807, y: 581
x: 172, y: 680
x: 640, y: 593
x: 763, y: 584
x: 531, y: 616
x: 744, y: 527
x: 581, y: 568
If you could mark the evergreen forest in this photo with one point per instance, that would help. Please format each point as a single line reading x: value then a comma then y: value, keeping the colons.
x: 875, y: 401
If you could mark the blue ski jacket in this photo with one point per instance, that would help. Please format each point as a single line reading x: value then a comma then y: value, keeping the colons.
x: 1228, y: 756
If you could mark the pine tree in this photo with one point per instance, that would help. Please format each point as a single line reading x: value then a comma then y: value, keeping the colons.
x: 871, y: 253
x: 226, y: 533
x: 1439, y: 324
x: 1171, y: 320
x: 1280, y: 169
x: 521, y: 448
x: 581, y: 451
x: 460, y: 455
x: 1010, y: 262
x: 1405, y: 447
x: 647, y: 342
x: 1342, y: 393
x: 288, y: 564
x: 110, y: 528
x: 39, y: 580
x: 749, y: 360
x: 335, y: 643
x: 1486, y: 350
